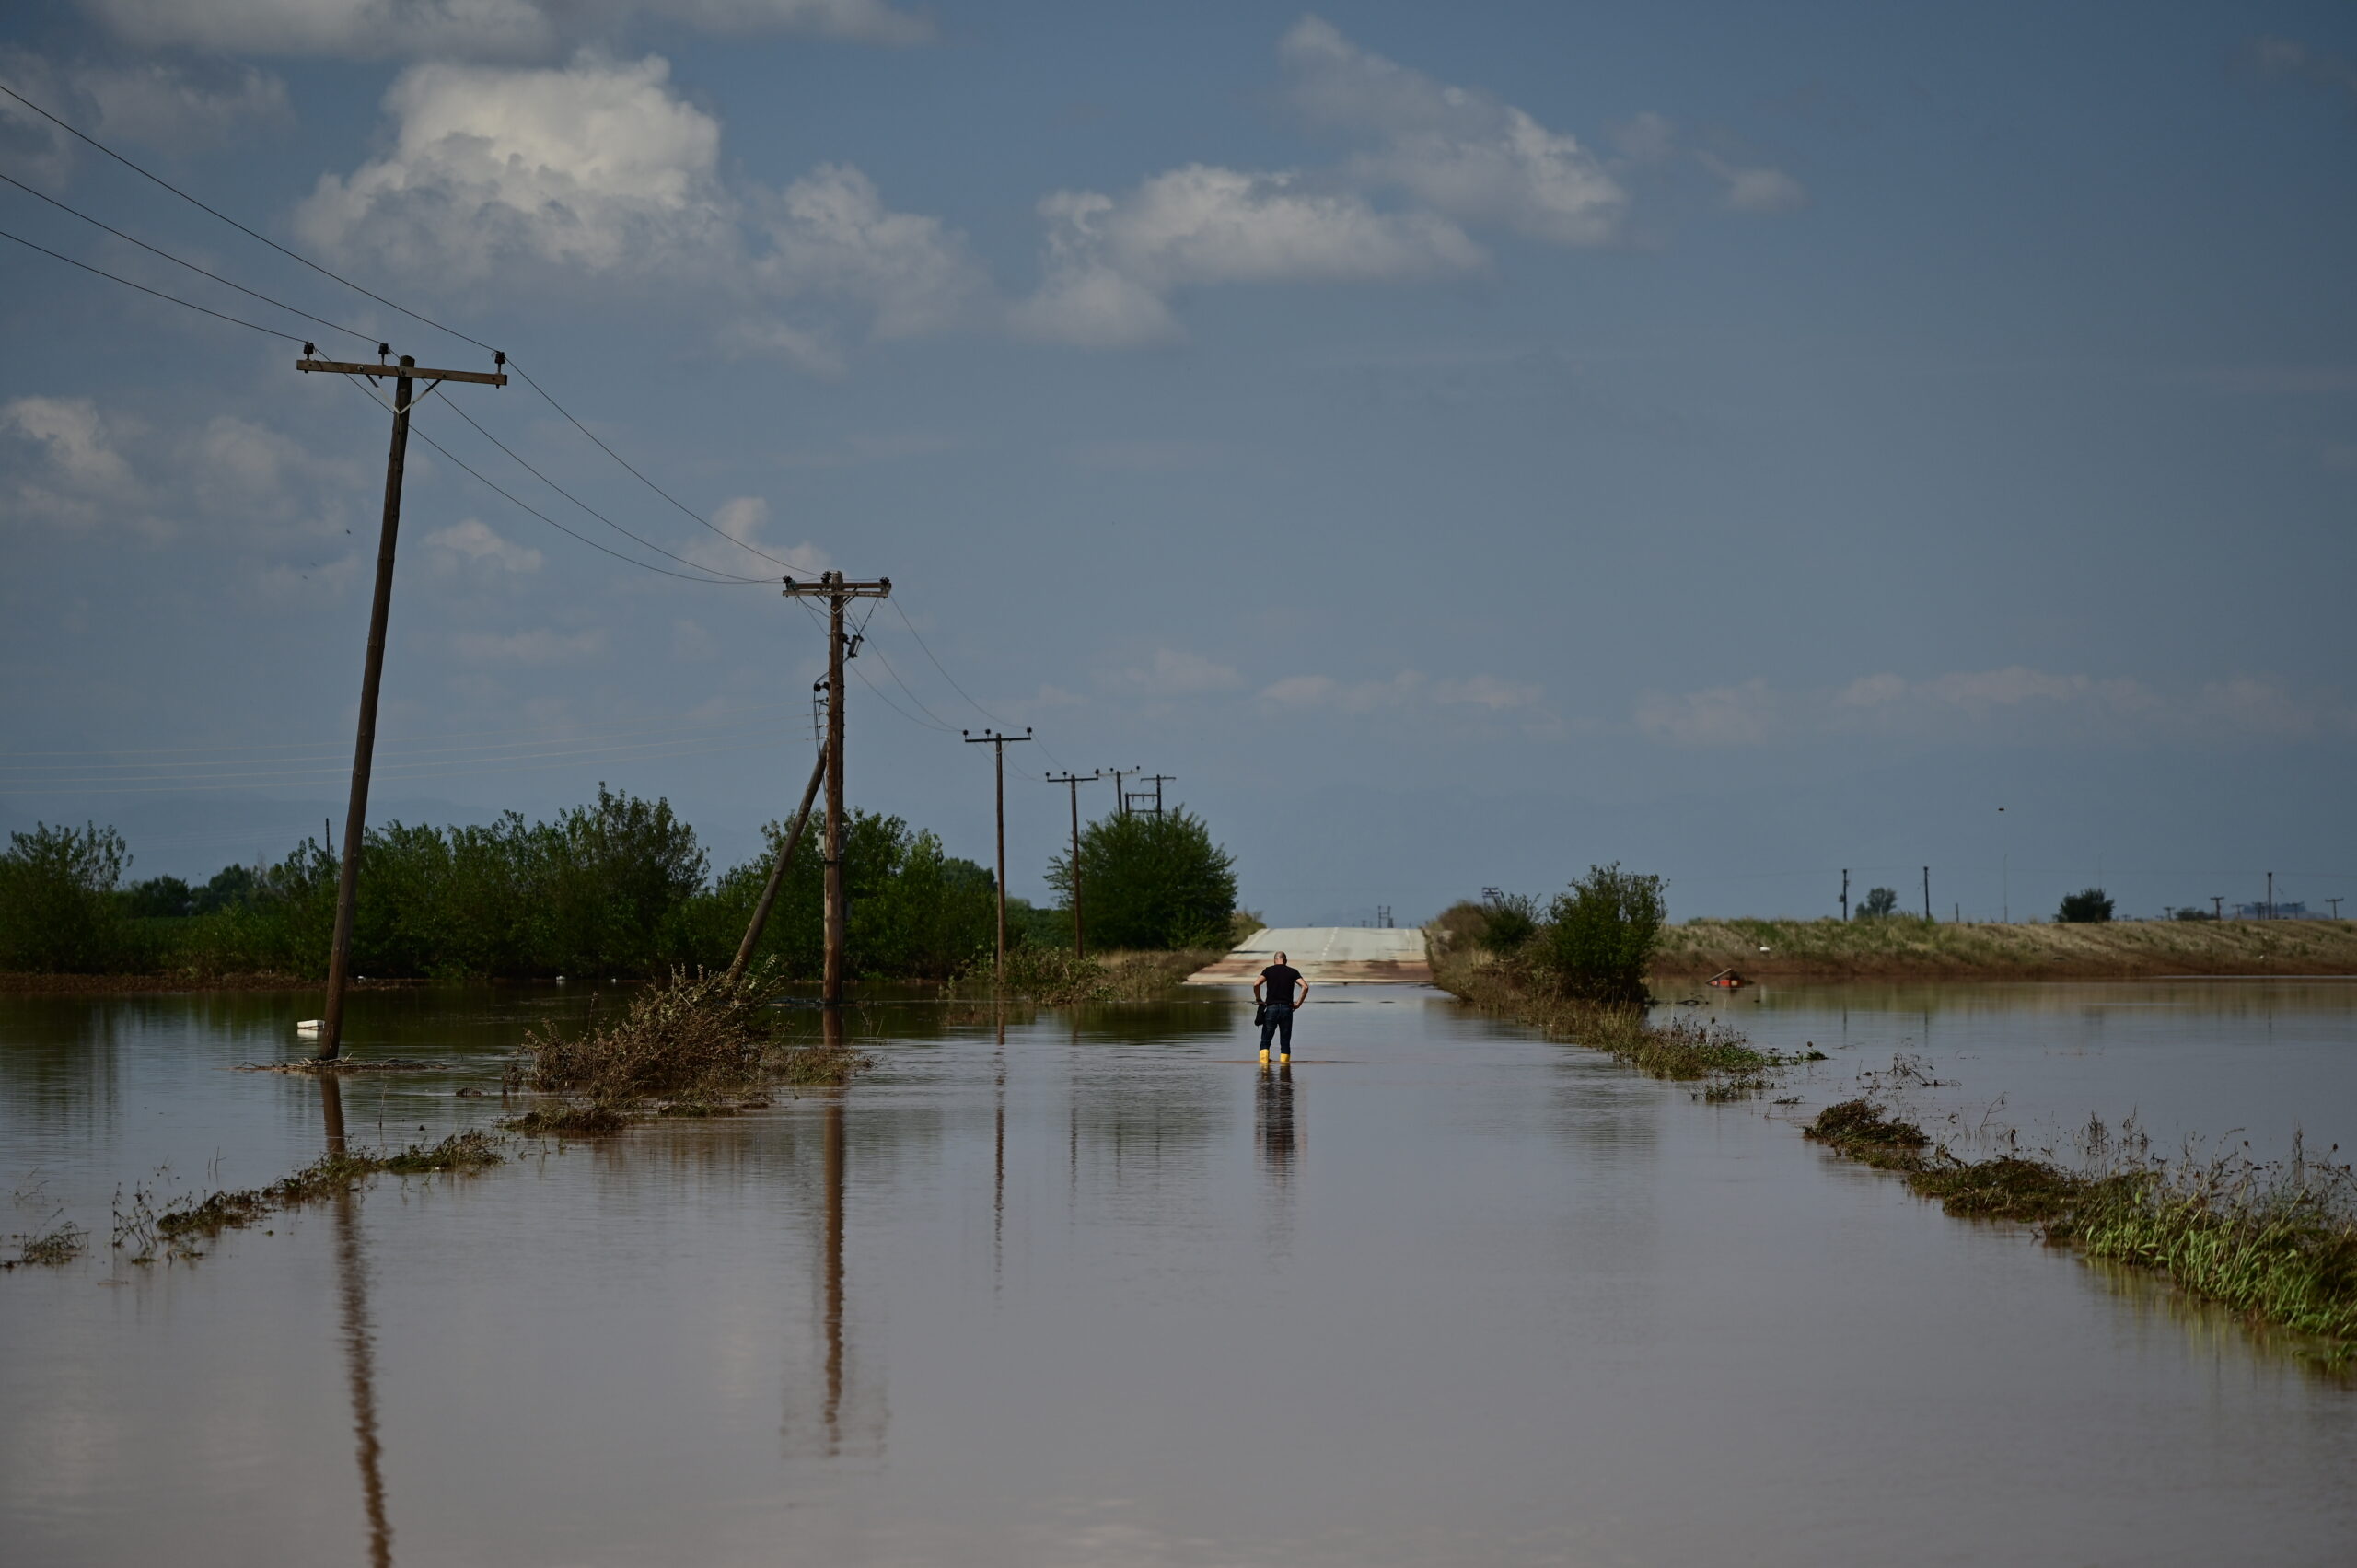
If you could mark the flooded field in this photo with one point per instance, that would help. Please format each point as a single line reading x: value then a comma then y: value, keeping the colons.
x: 1092, y: 1289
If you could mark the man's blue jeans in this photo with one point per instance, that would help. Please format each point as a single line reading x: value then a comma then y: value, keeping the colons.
x: 1278, y: 1021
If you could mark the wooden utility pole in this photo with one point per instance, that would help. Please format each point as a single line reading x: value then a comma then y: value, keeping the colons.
x: 1845, y: 893
x: 1157, y: 782
x: 363, y: 750
x: 998, y: 744
x: 2271, y: 896
x: 1121, y: 800
x: 838, y: 593
x: 777, y: 872
x: 1927, y: 895
x: 1079, y: 934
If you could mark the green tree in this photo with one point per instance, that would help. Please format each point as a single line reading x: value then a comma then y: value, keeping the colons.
x: 158, y: 898
x: 58, y: 909
x: 2089, y: 906
x: 1149, y: 881
x: 1601, y: 933
x: 1877, y: 903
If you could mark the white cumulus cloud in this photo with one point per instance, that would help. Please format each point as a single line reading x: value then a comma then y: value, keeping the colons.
x: 600, y: 171
x: 1112, y: 264
x: 1461, y: 151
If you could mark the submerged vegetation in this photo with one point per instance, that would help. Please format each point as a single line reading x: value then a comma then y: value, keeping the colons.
x: 141, y: 1227
x: 2275, y: 1242
x: 696, y: 1043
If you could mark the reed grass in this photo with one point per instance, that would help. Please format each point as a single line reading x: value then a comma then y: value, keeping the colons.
x: 52, y: 1248
x: 2276, y: 1242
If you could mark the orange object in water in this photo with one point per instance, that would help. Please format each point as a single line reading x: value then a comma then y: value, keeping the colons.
x: 1728, y: 980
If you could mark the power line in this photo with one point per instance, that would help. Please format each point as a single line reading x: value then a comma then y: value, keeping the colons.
x: 593, y: 511
x: 509, y: 766
x: 233, y: 223
x: 371, y: 294
x: 911, y: 625
x: 762, y: 710
x: 642, y: 479
x: 514, y: 500
x: 191, y: 266
x: 174, y: 298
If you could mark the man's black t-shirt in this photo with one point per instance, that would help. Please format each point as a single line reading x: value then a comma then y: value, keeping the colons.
x: 1279, y: 987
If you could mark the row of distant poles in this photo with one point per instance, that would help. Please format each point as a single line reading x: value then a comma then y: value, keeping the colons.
x: 828, y: 770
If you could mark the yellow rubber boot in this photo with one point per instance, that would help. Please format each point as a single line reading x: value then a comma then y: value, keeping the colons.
x: 1264, y: 1056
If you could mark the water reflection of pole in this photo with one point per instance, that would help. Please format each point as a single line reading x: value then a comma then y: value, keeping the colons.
x: 998, y: 1182
x: 834, y: 1254
x: 359, y: 1338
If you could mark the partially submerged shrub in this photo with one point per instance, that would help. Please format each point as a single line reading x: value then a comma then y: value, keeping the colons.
x: 693, y: 1036
x: 695, y: 1039
x: 1601, y: 933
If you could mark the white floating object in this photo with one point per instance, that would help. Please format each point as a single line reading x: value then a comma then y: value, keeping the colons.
x: 310, y: 1025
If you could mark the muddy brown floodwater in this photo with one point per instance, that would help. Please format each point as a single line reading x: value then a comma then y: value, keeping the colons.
x: 1091, y: 1288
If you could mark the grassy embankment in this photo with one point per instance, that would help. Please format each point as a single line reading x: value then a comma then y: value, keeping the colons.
x: 1902, y: 947
x: 2275, y: 1243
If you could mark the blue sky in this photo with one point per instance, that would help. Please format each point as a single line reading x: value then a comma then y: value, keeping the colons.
x: 1460, y: 444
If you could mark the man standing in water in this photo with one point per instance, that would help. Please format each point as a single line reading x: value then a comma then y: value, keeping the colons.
x: 1279, y: 990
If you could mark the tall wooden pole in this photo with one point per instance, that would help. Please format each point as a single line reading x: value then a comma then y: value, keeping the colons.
x: 363, y: 748
x: 1079, y: 928
x: 997, y: 743
x: 837, y: 594
x: 831, y: 989
x: 777, y: 871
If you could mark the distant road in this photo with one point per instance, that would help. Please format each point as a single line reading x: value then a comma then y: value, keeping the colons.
x: 1329, y: 955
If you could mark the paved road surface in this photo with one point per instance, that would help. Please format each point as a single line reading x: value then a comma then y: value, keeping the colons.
x: 1327, y: 955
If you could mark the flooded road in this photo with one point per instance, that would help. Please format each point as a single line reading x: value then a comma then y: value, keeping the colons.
x: 1092, y: 1289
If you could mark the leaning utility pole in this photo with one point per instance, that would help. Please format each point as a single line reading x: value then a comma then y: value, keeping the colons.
x: 1927, y: 895
x: 998, y: 743
x: 837, y: 592
x: 785, y: 849
x: 363, y: 748
x: 1079, y: 937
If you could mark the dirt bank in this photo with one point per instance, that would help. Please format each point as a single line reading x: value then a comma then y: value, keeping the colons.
x: 1904, y: 949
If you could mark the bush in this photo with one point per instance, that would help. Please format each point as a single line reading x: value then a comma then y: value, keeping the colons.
x: 58, y: 908
x: 2190, y: 913
x: 1509, y: 920
x: 1601, y: 934
x: 2088, y: 907
x: 1150, y: 882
